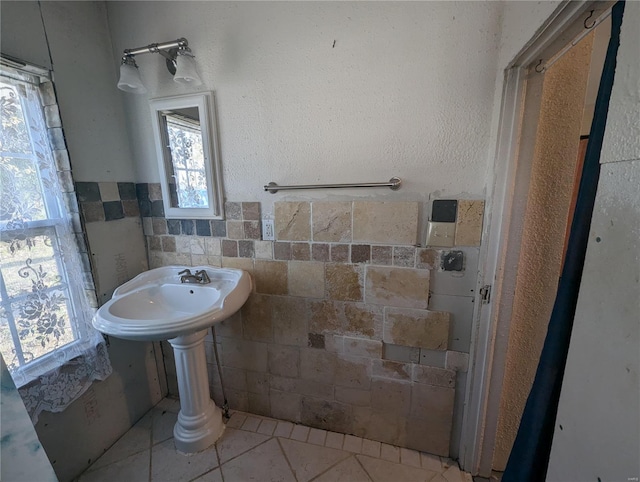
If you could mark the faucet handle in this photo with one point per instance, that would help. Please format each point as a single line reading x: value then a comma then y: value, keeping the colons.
x: 186, y: 272
x: 202, y: 274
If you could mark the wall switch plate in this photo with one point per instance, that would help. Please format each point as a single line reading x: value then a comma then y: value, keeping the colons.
x: 268, y: 231
x: 441, y: 234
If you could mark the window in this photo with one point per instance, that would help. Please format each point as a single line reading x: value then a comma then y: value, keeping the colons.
x: 45, y: 310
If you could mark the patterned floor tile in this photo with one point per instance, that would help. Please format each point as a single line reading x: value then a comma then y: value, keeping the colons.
x: 300, y: 432
x: 308, y: 460
x: 135, y: 467
x: 236, y: 442
x: 267, y: 427
x: 371, y: 448
x: 236, y: 420
x: 263, y: 449
x: 348, y: 470
x: 251, y: 424
x: 283, y: 429
x: 213, y: 476
x: 167, y: 465
x: 334, y: 440
x: 163, y: 423
x: 137, y: 439
x: 264, y: 463
x: 383, y: 471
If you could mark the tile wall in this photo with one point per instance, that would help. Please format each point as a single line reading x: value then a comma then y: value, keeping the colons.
x: 339, y: 333
x: 112, y: 221
x: 63, y: 167
x: 107, y: 201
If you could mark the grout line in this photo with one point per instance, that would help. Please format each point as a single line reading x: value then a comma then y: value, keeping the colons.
x: 352, y: 209
x: 215, y: 445
x: 271, y: 437
x: 310, y: 240
x: 89, y: 469
x: 334, y: 465
x: 151, y: 445
x: 293, y: 472
x: 205, y: 473
x: 363, y: 467
x: 239, y: 455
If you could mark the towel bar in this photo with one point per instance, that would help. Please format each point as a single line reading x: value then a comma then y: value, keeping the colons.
x: 394, y: 184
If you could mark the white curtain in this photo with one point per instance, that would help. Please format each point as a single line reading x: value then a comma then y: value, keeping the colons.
x: 52, y: 351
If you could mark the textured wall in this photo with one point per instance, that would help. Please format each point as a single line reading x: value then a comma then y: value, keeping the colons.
x: 552, y: 177
x: 520, y: 22
x: 407, y: 90
x: 598, y: 423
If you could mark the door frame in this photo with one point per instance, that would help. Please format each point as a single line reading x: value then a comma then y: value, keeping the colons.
x: 507, y: 190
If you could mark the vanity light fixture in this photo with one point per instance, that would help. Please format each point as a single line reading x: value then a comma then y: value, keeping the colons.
x: 180, y: 62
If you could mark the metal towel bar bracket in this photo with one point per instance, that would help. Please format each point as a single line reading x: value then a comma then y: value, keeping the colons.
x: 393, y: 184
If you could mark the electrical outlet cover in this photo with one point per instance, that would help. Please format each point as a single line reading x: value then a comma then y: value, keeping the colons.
x: 268, y: 230
x: 441, y: 234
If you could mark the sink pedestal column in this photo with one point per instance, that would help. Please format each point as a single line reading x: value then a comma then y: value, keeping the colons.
x: 199, y: 422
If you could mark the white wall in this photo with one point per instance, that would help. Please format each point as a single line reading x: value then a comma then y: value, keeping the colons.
x: 407, y: 90
x: 599, y: 408
x: 521, y: 21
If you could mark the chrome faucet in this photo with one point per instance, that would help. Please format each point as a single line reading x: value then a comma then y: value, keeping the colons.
x: 203, y: 277
x: 200, y: 277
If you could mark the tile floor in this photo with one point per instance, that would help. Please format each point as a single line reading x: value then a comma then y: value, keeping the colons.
x: 262, y: 449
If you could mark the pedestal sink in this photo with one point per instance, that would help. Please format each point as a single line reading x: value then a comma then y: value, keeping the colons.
x: 156, y: 306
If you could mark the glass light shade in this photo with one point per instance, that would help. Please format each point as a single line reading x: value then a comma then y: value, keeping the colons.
x: 130, y: 80
x: 186, y: 72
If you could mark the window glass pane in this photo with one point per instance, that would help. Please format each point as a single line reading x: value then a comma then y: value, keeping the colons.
x: 40, y: 251
x: 35, y: 298
x: 20, y: 191
x: 14, y: 135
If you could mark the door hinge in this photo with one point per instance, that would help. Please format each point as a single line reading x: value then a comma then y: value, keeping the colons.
x: 485, y: 294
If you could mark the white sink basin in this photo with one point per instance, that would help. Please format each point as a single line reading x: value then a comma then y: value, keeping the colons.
x: 155, y: 306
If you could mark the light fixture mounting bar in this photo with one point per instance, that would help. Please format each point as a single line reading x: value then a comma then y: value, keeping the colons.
x: 157, y: 47
x: 178, y: 59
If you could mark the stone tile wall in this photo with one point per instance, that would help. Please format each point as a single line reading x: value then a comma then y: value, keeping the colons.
x: 107, y: 201
x: 55, y: 133
x: 339, y: 333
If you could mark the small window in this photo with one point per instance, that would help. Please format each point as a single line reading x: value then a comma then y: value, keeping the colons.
x: 45, y: 313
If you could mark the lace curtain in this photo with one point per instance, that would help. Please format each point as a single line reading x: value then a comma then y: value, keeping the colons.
x: 52, y: 351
